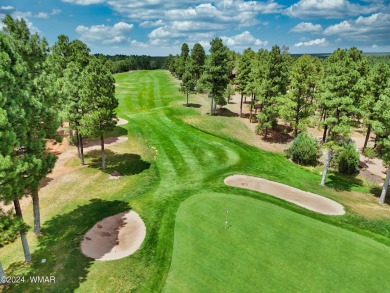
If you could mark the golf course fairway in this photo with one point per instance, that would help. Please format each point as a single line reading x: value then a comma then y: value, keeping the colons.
x: 265, y: 248
x: 173, y: 167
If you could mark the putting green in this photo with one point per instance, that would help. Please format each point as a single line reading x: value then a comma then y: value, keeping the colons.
x: 268, y: 248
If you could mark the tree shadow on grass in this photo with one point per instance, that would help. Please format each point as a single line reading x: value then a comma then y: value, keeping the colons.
x: 377, y: 191
x: 343, y: 183
x: 59, y: 245
x: 118, y: 131
x: 226, y: 112
x: 192, y: 105
x: 125, y: 164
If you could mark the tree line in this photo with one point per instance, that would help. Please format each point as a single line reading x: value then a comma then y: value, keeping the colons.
x: 41, y: 87
x: 346, y: 90
x: 124, y: 63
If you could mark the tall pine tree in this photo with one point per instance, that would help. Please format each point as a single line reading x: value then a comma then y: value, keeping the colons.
x: 98, y: 98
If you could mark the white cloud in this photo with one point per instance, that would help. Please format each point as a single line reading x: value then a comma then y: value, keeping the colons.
x: 84, y: 2
x: 137, y: 44
x: 7, y: 8
x: 306, y: 27
x: 41, y: 15
x: 185, y: 20
x: 55, y: 11
x: 118, y: 33
x: 375, y: 27
x: 316, y: 42
x: 152, y: 23
x: 244, y: 39
x: 330, y: 9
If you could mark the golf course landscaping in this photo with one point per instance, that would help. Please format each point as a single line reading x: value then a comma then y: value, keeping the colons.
x: 172, y: 170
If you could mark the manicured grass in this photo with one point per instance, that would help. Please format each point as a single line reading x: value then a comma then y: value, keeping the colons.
x: 268, y: 249
x: 164, y: 162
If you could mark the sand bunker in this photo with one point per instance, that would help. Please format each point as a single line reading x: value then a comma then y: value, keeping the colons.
x: 299, y: 197
x: 114, y: 237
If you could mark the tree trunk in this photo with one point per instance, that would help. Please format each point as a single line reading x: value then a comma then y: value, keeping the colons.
x: 2, y: 274
x: 385, y: 187
x: 242, y: 96
x: 78, y: 143
x: 187, y: 99
x: 37, y: 216
x: 212, y: 106
x: 250, y: 114
x: 18, y: 212
x: 327, y: 164
x: 265, y: 132
x: 367, y: 137
x: 324, y: 135
x: 81, y: 149
x: 103, y: 154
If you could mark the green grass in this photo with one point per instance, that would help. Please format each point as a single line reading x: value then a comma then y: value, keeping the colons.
x: 268, y: 249
x: 164, y: 162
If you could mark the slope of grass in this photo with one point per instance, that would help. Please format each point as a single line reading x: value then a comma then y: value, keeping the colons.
x: 169, y: 161
x: 267, y: 249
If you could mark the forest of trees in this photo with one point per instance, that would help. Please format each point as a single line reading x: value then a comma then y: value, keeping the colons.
x: 345, y: 90
x: 41, y: 87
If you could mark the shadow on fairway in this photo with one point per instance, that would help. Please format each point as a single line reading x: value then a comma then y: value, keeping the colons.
x: 191, y: 105
x: 226, y: 112
x: 377, y: 191
x: 125, y: 164
x: 344, y: 183
x: 118, y: 131
x: 59, y: 244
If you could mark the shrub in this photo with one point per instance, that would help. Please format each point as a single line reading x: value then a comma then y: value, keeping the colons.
x: 348, y: 159
x: 58, y: 138
x: 72, y: 139
x: 370, y: 153
x: 305, y: 150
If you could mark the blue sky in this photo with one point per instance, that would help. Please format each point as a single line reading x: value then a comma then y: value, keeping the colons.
x: 159, y: 27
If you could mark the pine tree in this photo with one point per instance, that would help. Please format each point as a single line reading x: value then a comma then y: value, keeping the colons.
x: 42, y: 118
x: 198, y: 57
x: 376, y: 83
x: 298, y: 104
x: 340, y: 96
x: 98, y: 98
x: 216, y: 72
x: 188, y: 83
x: 243, y: 77
x: 381, y: 126
x: 15, y: 106
x: 181, y: 62
x: 271, y: 87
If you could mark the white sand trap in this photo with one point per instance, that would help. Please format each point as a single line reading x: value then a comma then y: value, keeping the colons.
x: 299, y: 197
x: 114, y: 237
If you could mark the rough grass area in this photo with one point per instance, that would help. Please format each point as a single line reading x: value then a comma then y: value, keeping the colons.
x: 268, y: 249
x: 164, y: 162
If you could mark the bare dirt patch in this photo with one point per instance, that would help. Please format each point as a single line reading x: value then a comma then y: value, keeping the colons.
x: 299, y: 197
x: 121, y: 121
x: 114, y: 237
